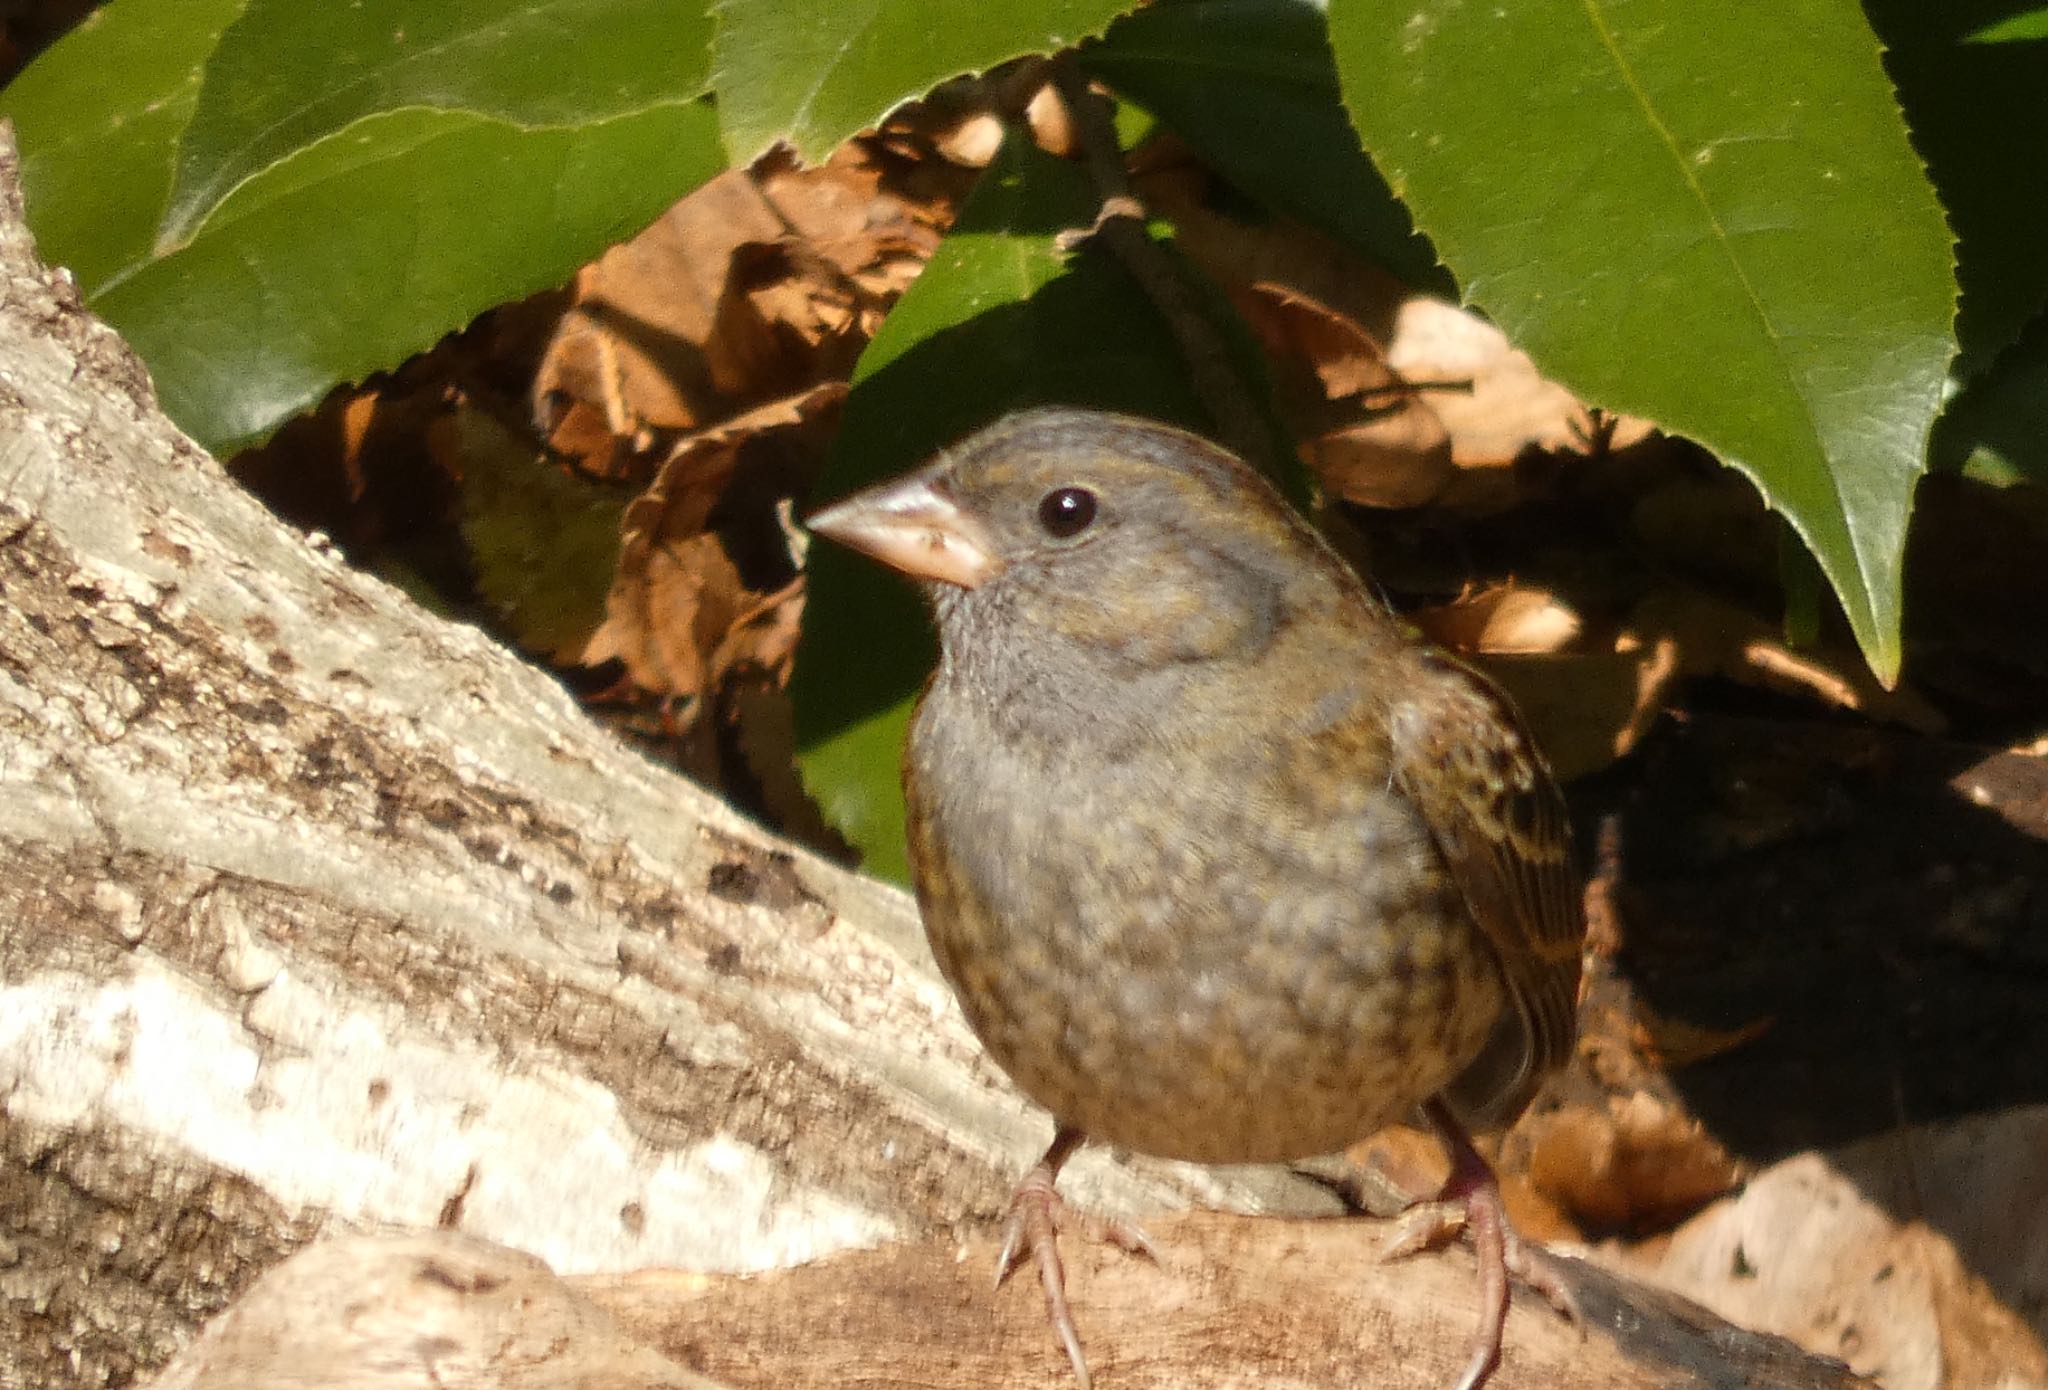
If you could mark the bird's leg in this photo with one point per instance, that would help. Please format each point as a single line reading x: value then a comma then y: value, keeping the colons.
x: 1032, y: 1228
x: 1471, y: 1202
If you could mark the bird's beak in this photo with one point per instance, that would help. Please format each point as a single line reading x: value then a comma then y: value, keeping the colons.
x: 913, y: 526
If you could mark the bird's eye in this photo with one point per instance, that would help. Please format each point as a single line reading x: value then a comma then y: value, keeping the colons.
x: 1066, y: 511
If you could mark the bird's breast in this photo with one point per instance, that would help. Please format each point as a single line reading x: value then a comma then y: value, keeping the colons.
x: 1217, y: 949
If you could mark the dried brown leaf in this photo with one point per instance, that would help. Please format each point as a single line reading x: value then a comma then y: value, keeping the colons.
x: 1511, y: 618
x: 1673, y: 1042
x: 682, y: 615
x: 1586, y: 709
x: 1369, y: 439
x: 1718, y: 638
x: 753, y: 287
x: 1637, y: 1164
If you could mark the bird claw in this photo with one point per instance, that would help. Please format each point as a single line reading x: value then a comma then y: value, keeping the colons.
x: 1544, y: 1272
x: 1032, y: 1225
x: 1471, y: 1203
x: 1424, y: 1226
x: 1127, y: 1236
x: 1031, y: 1231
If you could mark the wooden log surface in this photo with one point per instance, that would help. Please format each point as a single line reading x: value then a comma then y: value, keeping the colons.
x: 1236, y: 1301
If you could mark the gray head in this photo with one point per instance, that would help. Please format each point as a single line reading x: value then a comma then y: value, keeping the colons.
x: 1123, y: 541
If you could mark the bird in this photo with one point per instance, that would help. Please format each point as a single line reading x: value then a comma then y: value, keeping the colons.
x: 1222, y: 864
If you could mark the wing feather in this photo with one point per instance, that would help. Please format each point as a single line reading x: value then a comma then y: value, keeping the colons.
x: 1466, y: 761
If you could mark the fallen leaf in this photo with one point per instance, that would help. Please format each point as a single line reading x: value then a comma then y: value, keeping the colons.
x: 1636, y: 1165
x: 1507, y: 406
x: 755, y: 286
x: 1585, y: 709
x: 690, y: 606
x: 1673, y: 1042
x: 1716, y: 637
x: 1368, y: 438
x: 1514, y: 619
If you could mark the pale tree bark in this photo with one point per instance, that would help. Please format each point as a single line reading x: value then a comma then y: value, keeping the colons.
x: 320, y: 916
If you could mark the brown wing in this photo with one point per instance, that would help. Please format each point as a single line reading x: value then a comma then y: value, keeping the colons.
x: 1465, y: 759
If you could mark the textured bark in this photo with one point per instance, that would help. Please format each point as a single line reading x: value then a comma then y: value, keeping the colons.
x: 320, y: 915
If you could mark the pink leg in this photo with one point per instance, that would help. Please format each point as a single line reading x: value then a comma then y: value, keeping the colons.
x: 1032, y: 1230
x: 1471, y: 1201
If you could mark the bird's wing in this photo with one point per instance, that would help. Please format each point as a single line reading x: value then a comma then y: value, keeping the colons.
x: 1467, y: 763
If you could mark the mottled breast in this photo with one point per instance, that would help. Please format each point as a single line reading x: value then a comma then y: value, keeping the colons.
x: 1252, y: 962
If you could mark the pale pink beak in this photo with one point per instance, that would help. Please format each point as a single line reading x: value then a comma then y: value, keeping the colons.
x: 911, y: 525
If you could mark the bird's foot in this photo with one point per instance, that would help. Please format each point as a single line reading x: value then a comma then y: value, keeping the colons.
x: 1032, y: 1231
x: 1471, y: 1202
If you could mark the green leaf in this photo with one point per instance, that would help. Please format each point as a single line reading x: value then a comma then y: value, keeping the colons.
x: 1978, y: 117
x: 342, y: 256
x: 1251, y: 84
x: 286, y: 75
x: 543, y: 542
x: 97, y: 118
x: 2020, y: 28
x: 815, y: 75
x: 1708, y: 218
x: 1996, y: 431
x: 359, y: 252
x: 999, y: 320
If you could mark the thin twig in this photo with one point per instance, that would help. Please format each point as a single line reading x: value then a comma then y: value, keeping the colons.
x: 1120, y: 226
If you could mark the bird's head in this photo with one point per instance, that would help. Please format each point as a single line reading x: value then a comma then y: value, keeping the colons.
x: 1119, y: 534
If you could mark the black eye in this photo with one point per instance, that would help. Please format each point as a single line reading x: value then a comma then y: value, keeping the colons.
x: 1066, y: 511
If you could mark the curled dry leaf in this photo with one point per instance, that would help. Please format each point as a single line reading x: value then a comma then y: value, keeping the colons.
x: 706, y: 589
x: 631, y: 348
x: 787, y: 317
x: 1512, y: 618
x: 1368, y: 437
x: 875, y: 218
x: 751, y: 288
x: 1673, y: 1042
x: 1717, y: 638
x: 1508, y: 407
x: 1636, y: 1164
x: 1469, y: 404
x: 1586, y: 709
x: 1237, y: 254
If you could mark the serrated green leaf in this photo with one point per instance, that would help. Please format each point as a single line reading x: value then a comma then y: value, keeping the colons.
x: 345, y: 256
x: 1708, y: 218
x: 1251, y: 84
x: 998, y: 321
x: 1979, y: 119
x: 286, y: 75
x: 816, y: 75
